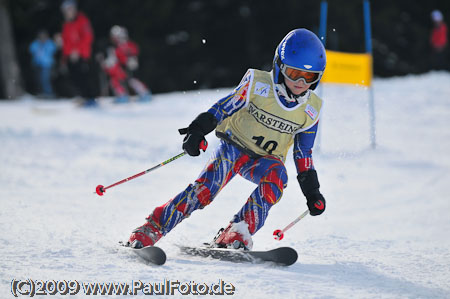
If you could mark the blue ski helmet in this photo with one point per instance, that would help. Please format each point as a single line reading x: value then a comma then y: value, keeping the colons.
x: 300, y: 49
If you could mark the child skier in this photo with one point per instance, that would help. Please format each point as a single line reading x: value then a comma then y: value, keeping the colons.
x: 121, y: 64
x: 257, y: 124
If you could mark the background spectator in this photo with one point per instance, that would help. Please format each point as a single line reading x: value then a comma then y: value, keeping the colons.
x: 77, y: 38
x: 186, y: 45
x: 42, y: 50
x: 439, y: 42
x: 121, y: 65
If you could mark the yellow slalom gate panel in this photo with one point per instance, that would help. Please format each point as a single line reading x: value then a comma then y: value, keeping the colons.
x: 349, y: 68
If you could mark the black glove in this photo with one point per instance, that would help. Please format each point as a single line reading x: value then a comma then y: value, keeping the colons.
x: 316, y: 203
x: 195, y: 133
x: 309, y: 184
x: 192, y: 141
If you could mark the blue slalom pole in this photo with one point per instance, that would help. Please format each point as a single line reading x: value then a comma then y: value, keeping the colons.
x: 368, y: 38
x: 323, y: 39
x: 323, y: 22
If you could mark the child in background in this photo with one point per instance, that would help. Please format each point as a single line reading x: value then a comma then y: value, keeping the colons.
x: 42, y: 50
x: 121, y: 63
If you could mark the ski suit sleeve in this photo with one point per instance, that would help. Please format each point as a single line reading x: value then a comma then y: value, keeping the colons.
x: 307, y: 175
x: 125, y: 50
x: 133, y: 48
x: 303, y: 143
x: 233, y: 102
x: 207, y: 121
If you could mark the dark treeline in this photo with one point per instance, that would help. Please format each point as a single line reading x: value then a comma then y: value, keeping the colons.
x: 210, y: 43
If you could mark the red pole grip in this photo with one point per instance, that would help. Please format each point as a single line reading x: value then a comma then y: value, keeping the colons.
x: 203, y: 145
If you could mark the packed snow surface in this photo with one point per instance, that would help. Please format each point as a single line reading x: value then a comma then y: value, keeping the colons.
x: 385, y: 233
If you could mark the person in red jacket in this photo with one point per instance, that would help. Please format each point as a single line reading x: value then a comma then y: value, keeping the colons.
x: 77, y: 38
x: 121, y: 65
x: 438, y: 41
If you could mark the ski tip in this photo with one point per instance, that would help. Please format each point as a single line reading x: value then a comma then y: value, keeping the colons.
x: 158, y: 255
x: 286, y: 255
x: 151, y: 254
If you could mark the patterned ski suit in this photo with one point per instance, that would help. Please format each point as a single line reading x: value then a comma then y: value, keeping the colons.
x: 257, y: 126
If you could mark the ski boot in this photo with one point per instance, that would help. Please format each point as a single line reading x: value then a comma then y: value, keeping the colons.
x: 235, y: 236
x: 145, y: 235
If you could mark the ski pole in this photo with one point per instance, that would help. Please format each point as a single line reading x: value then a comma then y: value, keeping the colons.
x: 279, y: 234
x: 100, y: 190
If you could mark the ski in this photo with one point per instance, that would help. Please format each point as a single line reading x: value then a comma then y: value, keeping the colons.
x: 285, y: 256
x: 150, y: 254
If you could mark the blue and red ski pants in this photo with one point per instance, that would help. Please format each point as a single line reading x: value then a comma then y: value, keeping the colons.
x: 268, y: 172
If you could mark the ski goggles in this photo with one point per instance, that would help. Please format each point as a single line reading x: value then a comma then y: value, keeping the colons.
x: 296, y: 74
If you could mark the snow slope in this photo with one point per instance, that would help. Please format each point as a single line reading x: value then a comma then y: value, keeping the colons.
x: 384, y: 234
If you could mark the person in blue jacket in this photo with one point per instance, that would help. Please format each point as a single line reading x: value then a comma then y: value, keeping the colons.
x: 42, y: 50
x: 258, y: 122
